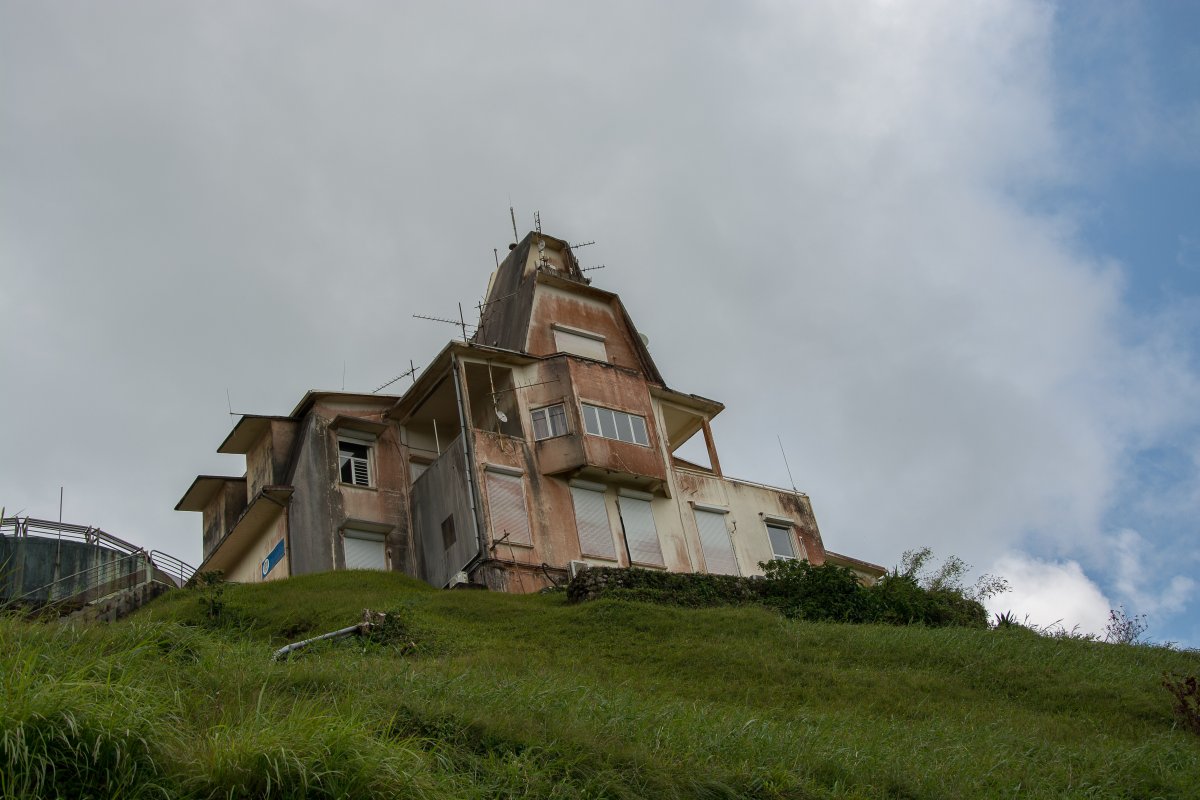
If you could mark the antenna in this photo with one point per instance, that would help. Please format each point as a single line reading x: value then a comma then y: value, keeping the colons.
x: 785, y: 464
x: 582, y: 244
x: 412, y: 371
x: 460, y: 322
x: 228, y: 402
x: 589, y: 269
x: 496, y: 253
x: 513, y: 214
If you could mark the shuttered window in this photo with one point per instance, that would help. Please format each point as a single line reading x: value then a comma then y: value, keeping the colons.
x: 715, y: 543
x: 364, y: 550
x: 506, y: 507
x: 641, y: 537
x: 581, y: 345
x: 591, y: 519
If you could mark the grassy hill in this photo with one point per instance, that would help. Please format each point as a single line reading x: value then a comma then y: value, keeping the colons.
x: 483, y: 695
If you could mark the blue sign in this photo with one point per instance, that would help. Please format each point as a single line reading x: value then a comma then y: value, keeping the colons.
x: 273, y: 558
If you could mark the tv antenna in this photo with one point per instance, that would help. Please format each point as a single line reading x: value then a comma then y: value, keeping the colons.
x: 589, y: 269
x: 513, y: 215
x: 582, y: 244
x: 460, y: 322
x: 412, y: 370
x: 791, y: 480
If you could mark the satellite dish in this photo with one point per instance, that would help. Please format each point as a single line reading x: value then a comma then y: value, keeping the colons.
x: 500, y: 416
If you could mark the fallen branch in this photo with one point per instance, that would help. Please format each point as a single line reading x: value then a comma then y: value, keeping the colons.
x: 370, y: 619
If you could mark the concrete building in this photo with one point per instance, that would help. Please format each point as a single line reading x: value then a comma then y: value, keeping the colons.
x: 543, y: 444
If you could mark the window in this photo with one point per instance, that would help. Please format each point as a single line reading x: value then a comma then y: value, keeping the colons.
x: 615, y: 425
x: 641, y: 536
x: 364, y: 550
x: 506, y: 508
x: 354, y: 462
x: 549, y: 422
x: 715, y: 542
x: 579, y: 342
x: 591, y: 520
x: 781, y: 541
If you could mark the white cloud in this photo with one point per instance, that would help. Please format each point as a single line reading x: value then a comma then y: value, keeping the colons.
x: 1050, y: 594
x: 1142, y: 576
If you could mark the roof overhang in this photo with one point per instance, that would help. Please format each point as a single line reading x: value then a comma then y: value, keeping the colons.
x: 247, y: 432
x: 855, y: 564
x: 203, y: 490
x: 312, y: 396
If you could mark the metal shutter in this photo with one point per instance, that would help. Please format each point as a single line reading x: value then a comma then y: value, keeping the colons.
x: 364, y: 550
x: 591, y: 519
x: 506, y: 507
x: 579, y: 345
x: 715, y: 543
x: 640, y: 534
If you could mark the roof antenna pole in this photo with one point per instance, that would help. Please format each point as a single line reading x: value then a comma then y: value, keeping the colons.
x: 412, y: 370
x: 462, y: 321
x: 791, y: 480
x: 513, y: 214
x: 228, y: 402
x: 496, y: 253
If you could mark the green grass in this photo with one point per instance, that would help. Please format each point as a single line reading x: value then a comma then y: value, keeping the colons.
x: 510, y: 696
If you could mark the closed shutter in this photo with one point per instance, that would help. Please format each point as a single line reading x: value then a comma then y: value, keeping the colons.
x: 585, y: 346
x: 506, y: 506
x: 715, y: 543
x: 591, y: 519
x: 640, y: 534
x: 364, y: 550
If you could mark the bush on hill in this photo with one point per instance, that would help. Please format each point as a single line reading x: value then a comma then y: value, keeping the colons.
x: 797, y: 589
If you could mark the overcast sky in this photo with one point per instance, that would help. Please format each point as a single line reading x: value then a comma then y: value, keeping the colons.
x: 948, y: 253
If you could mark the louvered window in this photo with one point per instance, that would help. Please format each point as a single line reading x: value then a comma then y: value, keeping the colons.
x: 506, y: 508
x: 354, y: 462
x: 591, y: 520
x: 715, y: 543
x: 549, y: 421
x: 612, y: 424
x: 641, y: 537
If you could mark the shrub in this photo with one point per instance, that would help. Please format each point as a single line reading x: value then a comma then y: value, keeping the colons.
x: 827, y: 593
x: 1186, y: 691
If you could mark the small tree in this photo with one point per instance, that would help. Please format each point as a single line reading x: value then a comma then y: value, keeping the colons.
x: 1124, y: 628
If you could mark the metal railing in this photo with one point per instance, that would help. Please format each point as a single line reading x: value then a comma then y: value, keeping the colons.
x: 155, y: 566
x: 177, y: 570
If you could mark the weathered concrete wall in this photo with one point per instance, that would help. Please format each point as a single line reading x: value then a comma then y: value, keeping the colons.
x: 749, y: 505
x: 554, y: 305
x: 248, y: 568
x: 222, y: 513
x: 442, y: 494
x: 310, y: 514
x: 32, y: 563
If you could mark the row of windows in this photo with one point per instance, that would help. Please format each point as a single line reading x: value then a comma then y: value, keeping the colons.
x: 609, y: 423
x: 510, y: 524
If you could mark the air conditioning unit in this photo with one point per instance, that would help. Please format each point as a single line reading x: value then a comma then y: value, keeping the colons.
x: 578, y: 567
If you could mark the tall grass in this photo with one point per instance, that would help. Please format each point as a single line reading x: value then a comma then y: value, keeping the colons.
x: 530, y: 697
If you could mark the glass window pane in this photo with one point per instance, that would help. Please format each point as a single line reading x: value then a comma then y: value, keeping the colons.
x: 639, y: 431
x: 591, y: 420
x: 608, y: 423
x: 558, y: 420
x: 624, y: 431
x: 540, y: 429
x: 781, y: 542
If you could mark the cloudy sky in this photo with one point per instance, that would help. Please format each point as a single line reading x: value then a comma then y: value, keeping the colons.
x: 947, y: 253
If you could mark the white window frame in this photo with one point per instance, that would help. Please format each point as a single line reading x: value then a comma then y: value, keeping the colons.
x: 356, y: 462
x: 789, y: 527
x: 578, y: 342
x: 594, y: 419
x: 546, y: 417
